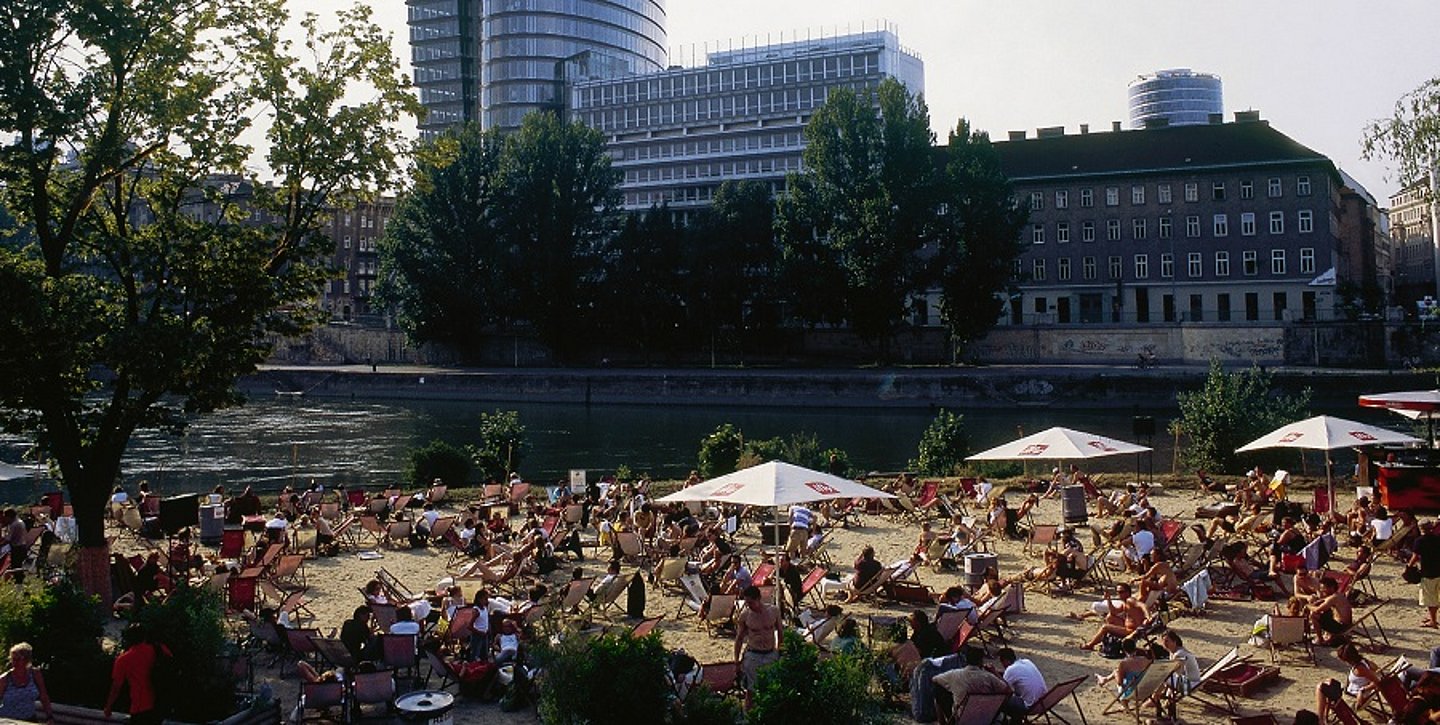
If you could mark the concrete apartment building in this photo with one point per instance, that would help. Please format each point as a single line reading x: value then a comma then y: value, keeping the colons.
x: 1222, y: 222
x: 355, y: 232
x: 1412, y: 230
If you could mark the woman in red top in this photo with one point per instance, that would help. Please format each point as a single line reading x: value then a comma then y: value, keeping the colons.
x: 134, y: 667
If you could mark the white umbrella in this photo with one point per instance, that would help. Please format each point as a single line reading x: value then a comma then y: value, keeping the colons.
x: 775, y: 483
x: 1058, y: 444
x: 1326, y: 433
x: 1412, y: 404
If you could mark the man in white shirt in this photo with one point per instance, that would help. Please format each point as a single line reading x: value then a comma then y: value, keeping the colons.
x: 1189, y: 675
x: 1023, y: 677
x: 801, y: 519
x: 1142, y: 542
x: 404, y: 622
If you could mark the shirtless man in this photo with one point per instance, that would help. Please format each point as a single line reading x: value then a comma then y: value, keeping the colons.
x: 1331, y: 613
x: 758, y: 633
x: 1156, y: 576
x: 1124, y: 615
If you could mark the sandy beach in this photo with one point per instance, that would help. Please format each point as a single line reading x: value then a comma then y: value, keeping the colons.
x: 1042, y: 633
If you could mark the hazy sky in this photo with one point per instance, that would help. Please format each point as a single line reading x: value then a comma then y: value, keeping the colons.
x: 1318, y: 70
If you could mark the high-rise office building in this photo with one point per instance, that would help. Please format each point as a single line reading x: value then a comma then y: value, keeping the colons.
x: 445, y: 56
x: 1176, y: 97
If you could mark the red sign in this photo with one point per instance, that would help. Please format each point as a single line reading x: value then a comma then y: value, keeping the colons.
x: 1292, y: 437
x: 1100, y: 445
x: 1034, y: 449
x: 824, y: 489
x: 728, y: 489
x: 1361, y: 435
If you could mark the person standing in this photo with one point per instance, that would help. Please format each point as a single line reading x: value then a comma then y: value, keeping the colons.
x: 21, y: 686
x: 758, y: 634
x: 134, y: 668
x: 800, y: 520
x: 1427, y: 557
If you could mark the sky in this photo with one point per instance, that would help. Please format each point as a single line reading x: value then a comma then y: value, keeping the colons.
x: 1317, y: 70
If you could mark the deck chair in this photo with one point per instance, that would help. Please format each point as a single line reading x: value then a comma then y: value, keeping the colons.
x: 668, y: 573
x: 1342, y: 713
x: 908, y: 593
x: 646, y: 627
x: 241, y: 593
x: 1041, y: 536
x: 608, y: 597
x: 1388, y: 699
x: 299, y: 645
x: 457, y: 634
x: 1045, y: 706
x: 871, y: 587
x: 289, y: 572
x: 822, y: 630
x: 294, y: 604
x: 395, y: 589
x: 574, y: 595
x: 320, y: 697
x: 694, y: 594
x: 1156, y: 676
x: 398, y: 652
x: 372, y: 688
x: 907, y: 509
x: 1225, y: 700
x: 721, y: 678
x: 809, y: 586
x: 631, y: 547
x: 718, y: 612
x: 518, y: 492
x: 761, y: 576
x: 442, y: 526
x: 232, y: 544
x: 384, y: 615
x: 397, y: 534
x: 1366, y: 626
x: 436, y: 665
x: 976, y: 709
x: 1288, y: 631
x: 437, y: 494
x: 333, y: 651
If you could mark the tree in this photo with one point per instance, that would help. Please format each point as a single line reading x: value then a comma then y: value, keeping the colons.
x: 438, y: 460
x: 645, y: 278
x: 862, y: 209
x: 138, y: 285
x: 501, y: 444
x: 943, y: 445
x: 720, y: 451
x: 1231, y: 410
x: 1411, y: 137
x: 732, y: 261
x: 439, y: 255
x: 981, y: 235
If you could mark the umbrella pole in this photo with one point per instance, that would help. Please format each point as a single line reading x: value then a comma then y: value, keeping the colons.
x: 1329, y: 484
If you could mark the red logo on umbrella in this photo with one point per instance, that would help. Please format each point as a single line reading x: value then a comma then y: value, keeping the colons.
x: 1292, y: 437
x: 728, y: 489
x: 1100, y: 445
x: 824, y: 489
x: 1034, y: 450
x: 1361, y: 435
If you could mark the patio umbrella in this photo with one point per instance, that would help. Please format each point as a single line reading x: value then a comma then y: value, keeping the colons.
x: 1326, y: 433
x: 1409, y: 403
x: 1058, y: 444
x: 775, y: 483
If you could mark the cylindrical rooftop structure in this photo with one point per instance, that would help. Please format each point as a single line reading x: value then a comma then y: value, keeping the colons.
x: 1176, y: 97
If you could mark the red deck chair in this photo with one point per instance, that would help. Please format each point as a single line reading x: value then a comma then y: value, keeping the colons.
x: 809, y: 586
x: 762, y: 574
x: 357, y: 498
x: 232, y: 544
x: 240, y: 593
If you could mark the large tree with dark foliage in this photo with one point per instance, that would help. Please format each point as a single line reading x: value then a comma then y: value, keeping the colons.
x: 731, y: 294
x: 146, y: 269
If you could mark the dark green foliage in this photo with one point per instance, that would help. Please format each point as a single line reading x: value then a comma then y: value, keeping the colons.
x: 801, y: 449
x: 731, y: 292
x: 64, y: 625
x: 645, y: 283
x: 191, y: 623
x: 703, y: 707
x: 992, y: 469
x: 720, y: 451
x: 1231, y: 410
x: 438, y: 459
x: 501, y: 445
x: 943, y: 445
x: 613, y: 679
x: 802, y: 688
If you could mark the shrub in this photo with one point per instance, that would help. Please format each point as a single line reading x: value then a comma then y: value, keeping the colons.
x: 191, y: 623
x: 64, y: 625
x: 992, y: 469
x: 720, y: 451
x: 1231, y: 410
x: 943, y: 445
x: 703, y: 707
x: 613, y: 678
x: 441, y: 460
x: 801, y: 687
x: 501, y: 445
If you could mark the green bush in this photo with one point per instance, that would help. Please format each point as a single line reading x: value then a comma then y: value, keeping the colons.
x: 992, y: 469
x: 439, y: 459
x: 64, y: 626
x: 191, y: 623
x: 943, y: 445
x: 802, y: 688
x: 703, y: 707
x: 611, y: 679
x: 501, y: 445
x: 720, y: 451
x: 1231, y: 410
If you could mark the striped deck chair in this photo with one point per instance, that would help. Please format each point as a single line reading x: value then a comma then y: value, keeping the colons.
x: 1045, y: 706
x: 1156, y: 677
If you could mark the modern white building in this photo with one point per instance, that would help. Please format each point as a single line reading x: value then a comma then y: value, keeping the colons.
x: 1175, y: 97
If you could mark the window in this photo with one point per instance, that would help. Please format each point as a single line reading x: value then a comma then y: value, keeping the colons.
x: 1137, y: 227
x: 1062, y: 200
x: 1222, y: 264
x: 1087, y: 198
x: 1302, y: 186
x: 1037, y: 270
x: 1280, y: 303
x: 1087, y: 232
x: 1087, y: 268
x: 1192, y: 226
x: 1117, y: 268
x: 1274, y: 188
x: 1222, y: 307
x: 1167, y: 265
x: 1112, y: 196
x: 1112, y: 230
x: 1162, y: 193
x: 1062, y: 269
x: 1306, y: 221
x: 1037, y: 200
x: 1037, y: 234
x: 1247, y: 224
x: 1217, y: 191
x: 347, y: 241
x: 1193, y: 264
x: 1197, y: 308
x: 1192, y: 192
x: 1247, y: 190
x: 1277, y: 222
x: 1307, y: 260
x: 1249, y: 263
x: 1137, y: 195
x: 1016, y: 268
x: 1222, y: 225
x: 1252, y: 306
x: 1142, y: 266
x: 1277, y: 261
x: 1062, y: 232
x: 1164, y: 227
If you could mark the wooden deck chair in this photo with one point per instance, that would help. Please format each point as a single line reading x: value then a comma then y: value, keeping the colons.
x: 395, y: 590
x: 721, y: 678
x: 372, y: 688
x: 978, y: 709
x: 1387, y: 700
x: 719, y: 612
x: 397, y: 535
x: 232, y: 544
x: 822, y: 630
x: 437, y: 494
x: 908, y: 509
x: 908, y: 593
x: 694, y: 594
x: 631, y: 547
x: 1156, y: 677
x: 761, y: 576
x: 457, y: 633
x: 518, y: 492
x: 1342, y: 713
x: 1225, y: 701
x: 1042, y: 537
x: 810, y: 586
x: 457, y: 548
x: 289, y: 572
x: 298, y: 645
x: 347, y: 533
x: 573, y: 515
x: 1045, y: 706
x: 384, y: 615
x: 1391, y: 546
x: 906, y: 658
x: 574, y: 595
x: 398, y: 652
x: 371, y: 527
x: 402, y: 502
x: 646, y: 627
x: 330, y: 510
x: 437, y: 665
x: 608, y: 597
x: 871, y: 587
x: 333, y: 651
x: 1288, y: 631
x: 320, y: 697
x: 442, y: 526
x: 1366, y: 626
x: 668, y: 573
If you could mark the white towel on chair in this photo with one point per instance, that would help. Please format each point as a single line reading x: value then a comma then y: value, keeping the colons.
x: 1198, y: 589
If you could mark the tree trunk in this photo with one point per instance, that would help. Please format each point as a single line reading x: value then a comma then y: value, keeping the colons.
x: 89, y: 496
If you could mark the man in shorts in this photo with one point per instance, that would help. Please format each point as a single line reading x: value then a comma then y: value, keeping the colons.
x: 1331, y: 614
x: 758, y: 634
x: 1427, y: 557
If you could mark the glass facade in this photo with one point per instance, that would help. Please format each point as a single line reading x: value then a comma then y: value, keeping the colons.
x: 445, y: 56
x: 1177, y: 97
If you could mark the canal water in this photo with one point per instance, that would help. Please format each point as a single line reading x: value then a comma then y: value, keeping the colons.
x: 270, y: 443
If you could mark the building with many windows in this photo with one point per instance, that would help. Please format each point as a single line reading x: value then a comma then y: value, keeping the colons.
x: 676, y: 135
x: 1412, y: 231
x: 445, y: 60
x: 1176, y: 97
x: 355, y: 232
x: 1223, y: 222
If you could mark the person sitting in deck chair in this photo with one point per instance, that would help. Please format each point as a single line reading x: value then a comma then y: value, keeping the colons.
x: 1124, y: 615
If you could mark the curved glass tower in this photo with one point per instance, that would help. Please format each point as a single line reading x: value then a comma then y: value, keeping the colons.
x: 526, y: 45
x: 1178, y: 97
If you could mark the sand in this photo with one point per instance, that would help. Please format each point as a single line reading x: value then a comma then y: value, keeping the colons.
x: 1042, y: 633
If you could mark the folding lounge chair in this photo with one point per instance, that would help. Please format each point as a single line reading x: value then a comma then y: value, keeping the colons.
x: 977, y: 709
x: 321, y: 696
x: 608, y: 597
x: 1156, y: 677
x: 719, y: 612
x: 1366, y: 626
x: 1226, y: 702
x: 809, y: 586
x: 398, y: 652
x: 1041, y: 537
x: 574, y: 595
x: 721, y: 678
x: 646, y: 627
x: 871, y: 587
x: 1045, y: 706
x: 694, y: 594
x: 1286, y: 631
x: 372, y: 688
